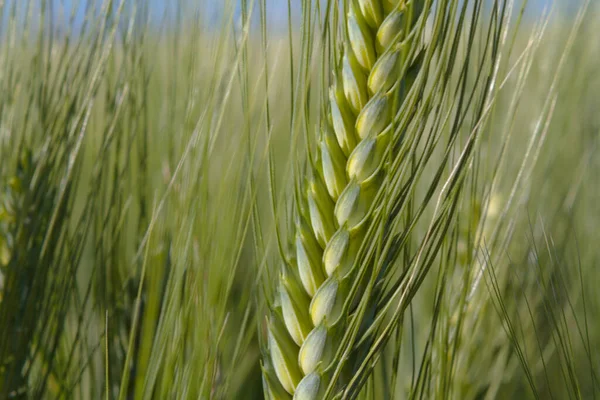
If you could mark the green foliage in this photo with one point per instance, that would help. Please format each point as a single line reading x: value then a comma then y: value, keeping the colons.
x: 151, y: 173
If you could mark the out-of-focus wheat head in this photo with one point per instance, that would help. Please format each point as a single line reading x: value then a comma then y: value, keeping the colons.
x: 470, y: 321
x: 11, y: 197
x: 307, y: 318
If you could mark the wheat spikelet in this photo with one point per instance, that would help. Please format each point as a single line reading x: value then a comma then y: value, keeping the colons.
x: 333, y: 210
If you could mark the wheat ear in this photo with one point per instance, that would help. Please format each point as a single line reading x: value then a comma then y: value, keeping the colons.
x: 304, y: 328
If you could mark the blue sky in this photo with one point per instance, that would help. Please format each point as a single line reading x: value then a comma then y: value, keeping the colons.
x: 278, y: 8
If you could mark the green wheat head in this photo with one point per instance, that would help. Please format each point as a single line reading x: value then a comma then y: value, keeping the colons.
x: 334, y: 203
x: 21, y: 240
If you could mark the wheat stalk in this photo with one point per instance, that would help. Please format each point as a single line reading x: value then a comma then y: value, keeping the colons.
x: 333, y: 209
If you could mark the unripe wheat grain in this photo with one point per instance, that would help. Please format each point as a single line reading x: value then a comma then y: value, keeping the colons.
x: 304, y: 328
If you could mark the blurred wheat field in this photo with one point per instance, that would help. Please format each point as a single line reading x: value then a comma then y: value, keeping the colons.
x: 150, y: 170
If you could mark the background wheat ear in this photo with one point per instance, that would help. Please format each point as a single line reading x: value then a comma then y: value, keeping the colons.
x: 333, y: 209
x: 27, y: 270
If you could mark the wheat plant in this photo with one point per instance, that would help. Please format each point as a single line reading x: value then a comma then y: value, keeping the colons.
x: 377, y: 117
x: 312, y: 199
x: 335, y: 200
